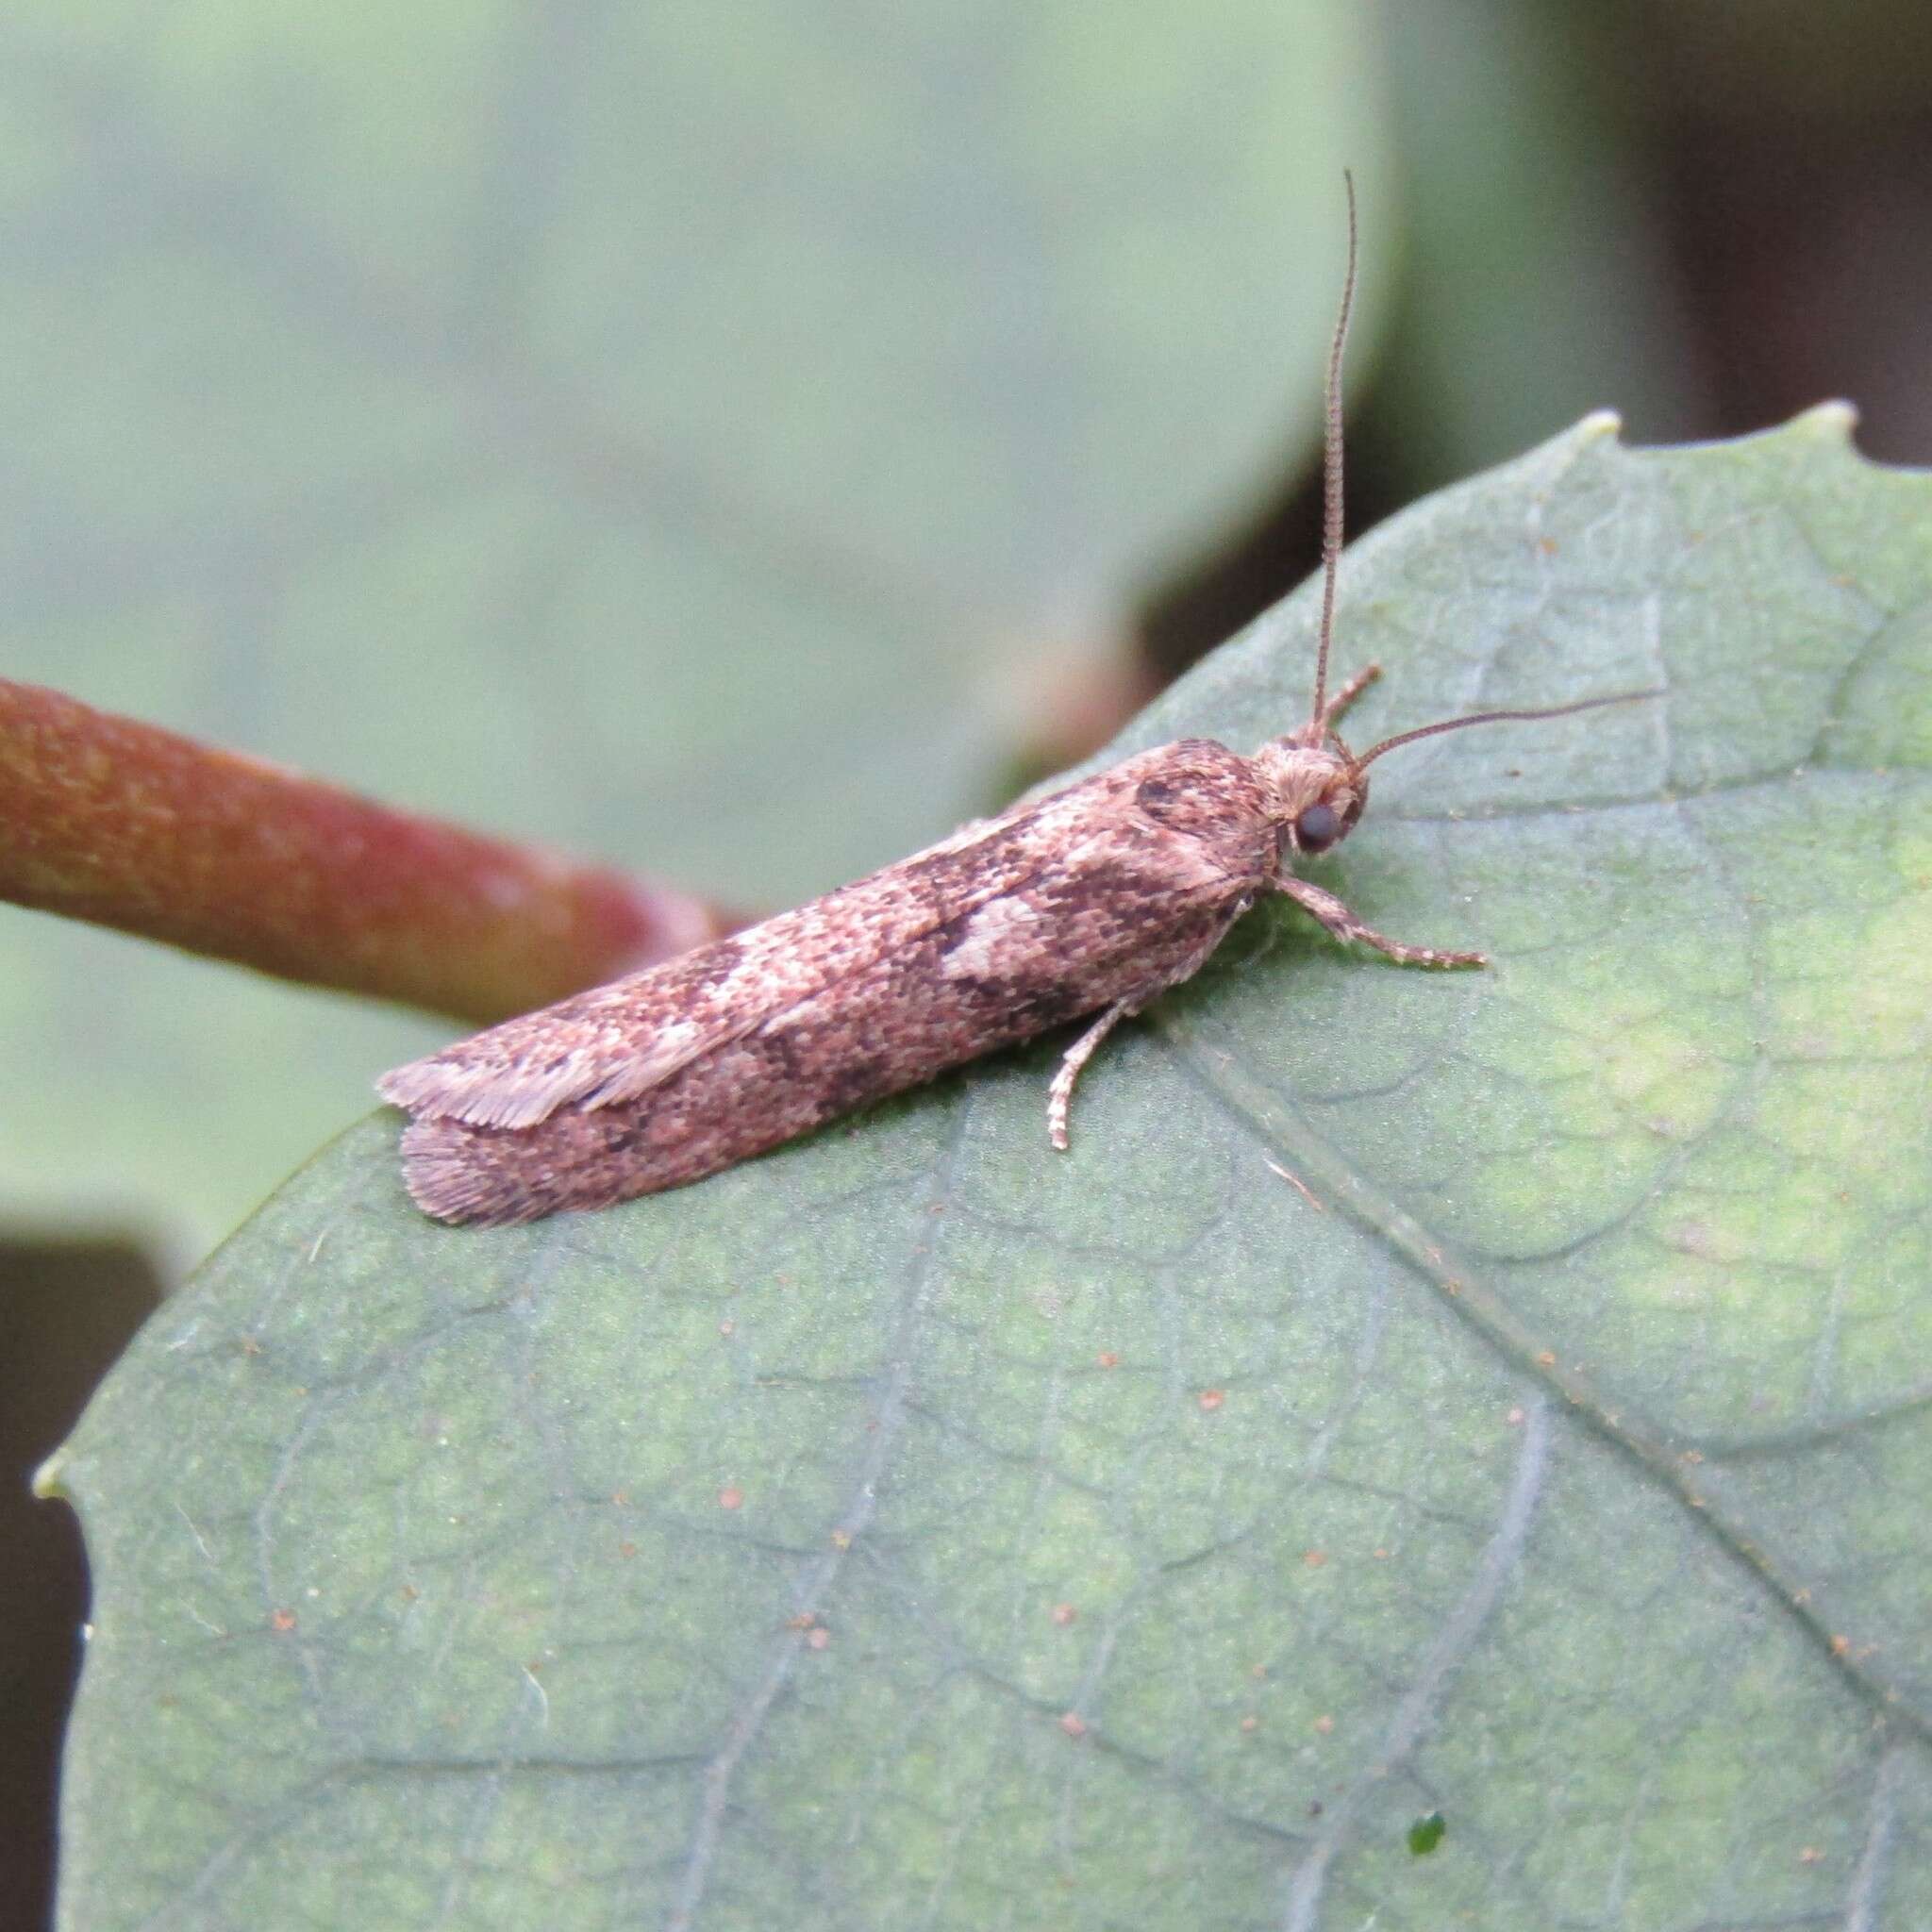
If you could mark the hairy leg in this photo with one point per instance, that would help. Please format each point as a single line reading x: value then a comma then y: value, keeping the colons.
x: 1345, y: 926
x: 1059, y: 1099
x: 1348, y: 693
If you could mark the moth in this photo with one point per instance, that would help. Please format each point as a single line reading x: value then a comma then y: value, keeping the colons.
x: 1086, y: 904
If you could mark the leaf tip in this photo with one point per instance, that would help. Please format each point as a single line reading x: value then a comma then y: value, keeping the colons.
x: 47, y: 1485
x: 1835, y: 420
x: 1598, y: 424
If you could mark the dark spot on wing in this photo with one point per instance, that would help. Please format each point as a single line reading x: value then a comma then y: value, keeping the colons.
x: 716, y: 964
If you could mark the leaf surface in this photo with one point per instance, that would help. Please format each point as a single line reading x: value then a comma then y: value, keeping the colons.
x: 912, y: 1528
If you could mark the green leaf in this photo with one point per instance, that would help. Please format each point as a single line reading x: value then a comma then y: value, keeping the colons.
x: 650, y: 430
x: 916, y: 1527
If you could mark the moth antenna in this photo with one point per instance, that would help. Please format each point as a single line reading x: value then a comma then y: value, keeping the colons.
x: 1331, y: 470
x: 1622, y: 697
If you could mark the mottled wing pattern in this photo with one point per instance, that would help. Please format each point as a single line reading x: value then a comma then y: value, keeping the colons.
x: 1102, y: 892
x: 617, y: 1041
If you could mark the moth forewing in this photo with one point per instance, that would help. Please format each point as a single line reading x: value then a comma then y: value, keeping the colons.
x: 1096, y: 897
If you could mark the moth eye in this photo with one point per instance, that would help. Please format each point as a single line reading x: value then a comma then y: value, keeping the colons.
x: 1318, y: 828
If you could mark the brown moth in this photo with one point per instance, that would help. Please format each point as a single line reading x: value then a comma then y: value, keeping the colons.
x: 1091, y: 901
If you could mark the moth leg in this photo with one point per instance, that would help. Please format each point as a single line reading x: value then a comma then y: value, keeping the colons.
x: 1345, y: 926
x: 1060, y: 1096
x: 1348, y: 693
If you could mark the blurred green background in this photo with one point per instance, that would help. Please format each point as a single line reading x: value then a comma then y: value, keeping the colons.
x: 737, y: 441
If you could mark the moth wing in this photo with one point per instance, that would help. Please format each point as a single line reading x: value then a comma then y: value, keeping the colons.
x: 611, y: 1043
x: 618, y: 1042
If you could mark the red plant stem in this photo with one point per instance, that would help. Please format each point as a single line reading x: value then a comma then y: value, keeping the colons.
x: 106, y: 819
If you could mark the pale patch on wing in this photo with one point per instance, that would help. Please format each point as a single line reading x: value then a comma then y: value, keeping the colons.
x: 999, y: 930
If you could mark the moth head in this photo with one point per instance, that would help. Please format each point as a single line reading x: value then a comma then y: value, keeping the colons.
x: 1315, y: 793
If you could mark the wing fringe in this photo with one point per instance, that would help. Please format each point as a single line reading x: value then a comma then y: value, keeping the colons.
x: 482, y: 1096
